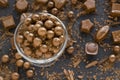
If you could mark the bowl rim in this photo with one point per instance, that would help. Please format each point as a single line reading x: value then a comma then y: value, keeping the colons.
x: 41, y: 61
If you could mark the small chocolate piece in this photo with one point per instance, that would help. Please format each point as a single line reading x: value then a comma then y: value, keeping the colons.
x: 50, y: 34
x: 56, y: 41
x: 42, y: 31
x: 8, y: 22
x: 59, y: 3
x: 70, y: 50
x: 37, y: 42
x: 19, y: 63
x: 70, y: 14
x: 38, y: 53
x: 17, y: 56
x: 12, y: 43
x: 21, y: 5
x: 5, y: 58
x: 59, y: 30
x: 54, y: 11
x: 30, y: 73
x: 90, y: 5
x: 86, y: 26
x: 20, y: 39
x: 49, y: 24
x: 102, y: 33
x: 47, y: 55
x: 116, y: 49
x: 115, y: 12
x: 4, y: 3
x: 27, y: 51
x: 44, y: 48
x: 116, y: 36
x: 50, y: 4
x: 26, y: 65
x: 15, y: 76
x: 112, y: 58
x: 91, y: 48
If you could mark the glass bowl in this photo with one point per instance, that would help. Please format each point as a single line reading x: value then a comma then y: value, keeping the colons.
x: 41, y: 62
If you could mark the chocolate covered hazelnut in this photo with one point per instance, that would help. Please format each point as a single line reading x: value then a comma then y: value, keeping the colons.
x: 39, y: 22
x: 44, y: 48
x: 35, y: 17
x: 42, y: 31
x: 26, y: 33
x: 47, y: 55
x: 50, y: 34
x: 43, y: 17
x: 30, y: 27
x: 19, y: 63
x: 37, y: 42
x: 70, y: 14
x: 26, y: 43
x: 62, y: 38
x: 17, y: 56
x: 15, y: 76
x: 50, y: 4
x: 26, y: 65
x: 70, y: 50
x: 30, y: 73
x: 112, y: 58
x: 27, y: 51
x: 49, y: 24
x: 57, y: 23
x: 38, y: 53
x: 20, y: 39
x: 54, y: 11
x: 5, y: 58
x: 116, y: 49
x: 27, y: 21
x: 59, y: 30
x: 30, y: 37
x: 36, y: 27
x: 56, y: 41
x: 52, y: 18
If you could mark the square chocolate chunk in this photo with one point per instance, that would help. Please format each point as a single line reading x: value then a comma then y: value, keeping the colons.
x: 90, y: 5
x: 116, y: 36
x: 115, y: 12
x: 4, y: 3
x: 8, y: 22
x: 86, y: 26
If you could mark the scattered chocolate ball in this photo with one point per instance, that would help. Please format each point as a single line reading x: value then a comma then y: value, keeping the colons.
x: 50, y: 34
x: 56, y: 41
x: 70, y: 50
x: 43, y: 48
x: 42, y: 31
x: 50, y: 4
x: 70, y: 14
x: 19, y: 63
x: 35, y: 17
x: 112, y: 58
x: 15, y: 76
x: 116, y: 49
x: 30, y: 73
x: 37, y: 42
x: 59, y: 30
x: 54, y: 11
x: 49, y: 24
x: 5, y: 58
x: 17, y: 56
x: 26, y: 65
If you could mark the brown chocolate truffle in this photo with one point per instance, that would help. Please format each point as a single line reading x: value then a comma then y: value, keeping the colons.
x: 91, y: 48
